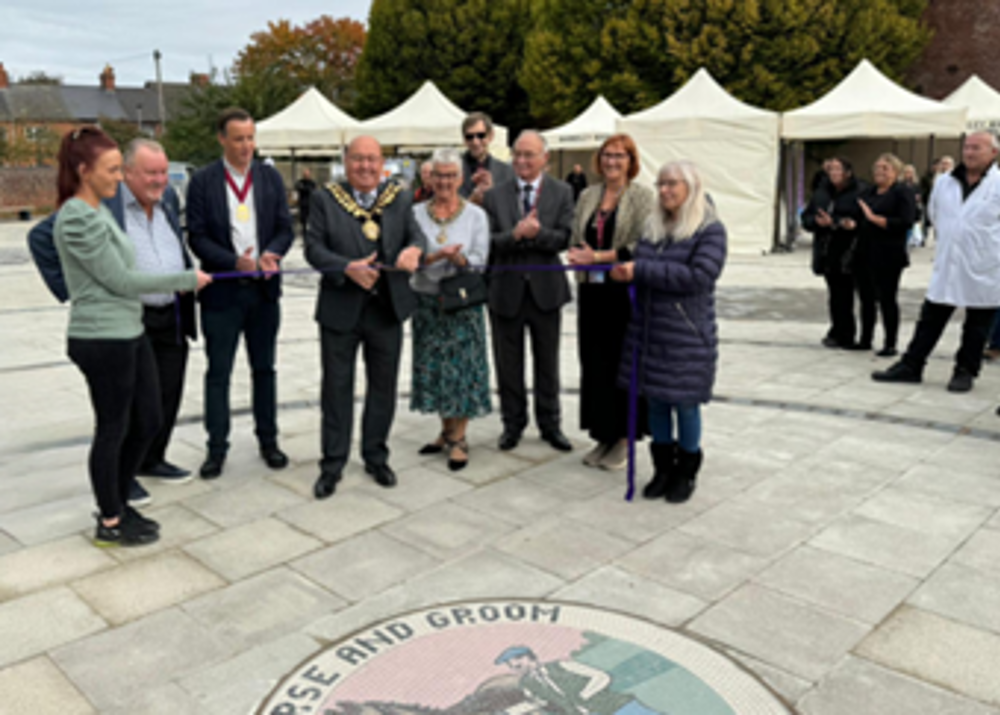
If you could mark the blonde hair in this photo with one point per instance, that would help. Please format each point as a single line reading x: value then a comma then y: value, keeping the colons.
x: 695, y: 213
x: 894, y: 161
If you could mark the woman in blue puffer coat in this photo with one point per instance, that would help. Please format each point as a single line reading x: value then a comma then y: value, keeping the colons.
x: 673, y: 328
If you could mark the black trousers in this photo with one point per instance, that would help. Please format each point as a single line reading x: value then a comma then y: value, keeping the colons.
x: 257, y: 318
x: 840, y: 304
x: 878, y: 290
x: 380, y: 337
x: 508, y: 357
x: 125, y: 395
x: 931, y: 324
x: 170, y: 349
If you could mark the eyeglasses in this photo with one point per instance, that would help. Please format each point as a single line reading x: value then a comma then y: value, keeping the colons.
x: 450, y: 176
x: 481, y: 136
x: 620, y: 156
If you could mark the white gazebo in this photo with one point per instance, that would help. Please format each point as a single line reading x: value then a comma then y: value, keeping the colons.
x: 866, y: 103
x: 982, y: 101
x: 426, y: 119
x: 588, y: 130
x: 311, y: 123
x: 734, y: 145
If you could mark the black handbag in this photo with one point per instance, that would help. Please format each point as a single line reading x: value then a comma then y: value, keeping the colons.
x: 465, y: 289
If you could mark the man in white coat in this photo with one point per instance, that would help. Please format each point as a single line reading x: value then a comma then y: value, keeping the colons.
x: 965, y: 209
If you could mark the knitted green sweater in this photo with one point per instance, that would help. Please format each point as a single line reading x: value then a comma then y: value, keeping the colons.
x: 98, y: 262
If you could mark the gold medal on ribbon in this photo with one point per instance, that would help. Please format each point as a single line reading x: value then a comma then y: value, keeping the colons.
x: 242, y: 213
x: 371, y: 230
x: 442, y: 238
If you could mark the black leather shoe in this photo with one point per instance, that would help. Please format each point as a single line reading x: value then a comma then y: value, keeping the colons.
x: 274, y: 457
x: 899, y: 372
x: 508, y: 440
x: 212, y: 467
x: 961, y: 380
x: 326, y: 485
x: 558, y: 440
x: 167, y: 472
x: 383, y: 474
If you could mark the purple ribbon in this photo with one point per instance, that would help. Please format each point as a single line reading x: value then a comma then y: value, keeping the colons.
x: 633, y: 402
x: 633, y: 388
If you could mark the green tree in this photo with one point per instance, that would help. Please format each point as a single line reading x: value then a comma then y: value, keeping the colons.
x: 120, y: 130
x: 281, y: 62
x: 39, y: 77
x: 778, y: 54
x: 471, y: 49
x: 191, y: 134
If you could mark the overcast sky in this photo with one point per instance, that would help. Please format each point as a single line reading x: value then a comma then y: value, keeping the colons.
x: 75, y: 40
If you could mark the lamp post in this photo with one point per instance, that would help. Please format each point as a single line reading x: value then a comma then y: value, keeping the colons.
x: 157, y: 56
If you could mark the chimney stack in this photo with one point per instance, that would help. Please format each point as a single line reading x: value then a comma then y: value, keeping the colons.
x: 4, y: 78
x: 108, y: 79
x: 199, y: 79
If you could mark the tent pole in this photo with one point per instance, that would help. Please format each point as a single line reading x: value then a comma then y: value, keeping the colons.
x: 776, y: 235
x: 294, y: 178
x: 930, y: 156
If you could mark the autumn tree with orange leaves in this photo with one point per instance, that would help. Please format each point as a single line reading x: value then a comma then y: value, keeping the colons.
x: 281, y: 62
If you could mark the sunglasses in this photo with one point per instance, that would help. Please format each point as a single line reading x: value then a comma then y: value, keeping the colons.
x: 476, y: 135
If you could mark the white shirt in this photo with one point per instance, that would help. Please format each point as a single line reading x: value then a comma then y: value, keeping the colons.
x: 157, y: 247
x: 967, y: 257
x: 242, y: 233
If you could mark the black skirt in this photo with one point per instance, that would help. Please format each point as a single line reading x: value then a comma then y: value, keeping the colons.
x: 603, y: 314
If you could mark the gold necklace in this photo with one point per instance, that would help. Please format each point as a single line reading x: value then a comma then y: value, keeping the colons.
x: 369, y: 227
x: 442, y: 237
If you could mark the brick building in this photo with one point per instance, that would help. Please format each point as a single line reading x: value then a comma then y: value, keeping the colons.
x: 965, y: 42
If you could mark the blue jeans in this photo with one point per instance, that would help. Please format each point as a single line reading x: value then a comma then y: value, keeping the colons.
x: 661, y: 424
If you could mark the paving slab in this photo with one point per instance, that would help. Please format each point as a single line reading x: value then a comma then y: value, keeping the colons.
x: 564, y: 548
x: 44, y: 620
x: 938, y: 650
x: 737, y: 524
x: 858, y: 687
x: 962, y: 594
x: 693, y: 564
x: 799, y: 638
x: 364, y: 565
x: 151, y: 651
x: 261, y: 608
x: 981, y: 552
x: 38, y: 567
x: 250, y: 501
x: 236, y: 686
x: 517, y: 500
x: 851, y: 588
x: 449, y: 531
x: 178, y: 526
x: 39, y: 688
x: 341, y: 516
x: 143, y: 587
x: 251, y: 548
x: 619, y: 590
x: 920, y: 512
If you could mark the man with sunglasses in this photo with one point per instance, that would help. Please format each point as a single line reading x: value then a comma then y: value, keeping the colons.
x: 481, y: 171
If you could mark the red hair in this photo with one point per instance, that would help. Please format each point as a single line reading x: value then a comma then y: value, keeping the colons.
x: 80, y: 147
x: 628, y: 144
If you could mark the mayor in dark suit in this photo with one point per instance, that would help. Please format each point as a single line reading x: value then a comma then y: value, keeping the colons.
x: 531, y: 219
x: 238, y: 220
x: 147, y: 210
x: 354, y: 228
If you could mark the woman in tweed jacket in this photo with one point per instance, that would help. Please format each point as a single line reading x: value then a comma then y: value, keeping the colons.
x: 610, y: 217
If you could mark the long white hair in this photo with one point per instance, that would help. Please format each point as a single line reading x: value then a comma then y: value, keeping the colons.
x: 696, y: 211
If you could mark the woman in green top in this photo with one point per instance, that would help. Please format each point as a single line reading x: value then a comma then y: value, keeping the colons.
x: 106, y: 337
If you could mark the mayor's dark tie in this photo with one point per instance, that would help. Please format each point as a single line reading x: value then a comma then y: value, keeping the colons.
x: 526, y: 199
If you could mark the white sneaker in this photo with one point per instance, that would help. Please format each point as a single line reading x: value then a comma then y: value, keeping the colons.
x: 616, y: 458
x: 593, y: 457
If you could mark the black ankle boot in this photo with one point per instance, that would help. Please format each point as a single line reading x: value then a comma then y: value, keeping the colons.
x: 686, y: 476
x: 664, y: 465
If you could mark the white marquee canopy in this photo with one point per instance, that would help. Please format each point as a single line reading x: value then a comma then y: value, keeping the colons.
x: 426, y: 119
x: 866, y: 103
x: 734, y: 145
x: 982, y: 101
x: 588, y: 130
x: 310, y: 122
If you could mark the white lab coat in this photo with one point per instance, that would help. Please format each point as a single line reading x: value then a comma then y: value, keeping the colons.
x: 967, y: 258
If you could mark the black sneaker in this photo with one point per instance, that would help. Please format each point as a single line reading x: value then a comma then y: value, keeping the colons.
x: 899, y: 372
x: 961, y: 380
x: 137, y: 494
x: 141, y: 522
x: 127, y: 532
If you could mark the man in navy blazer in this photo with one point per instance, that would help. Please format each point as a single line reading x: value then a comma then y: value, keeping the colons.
x: 148, y: 211
x: 238, y: 220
